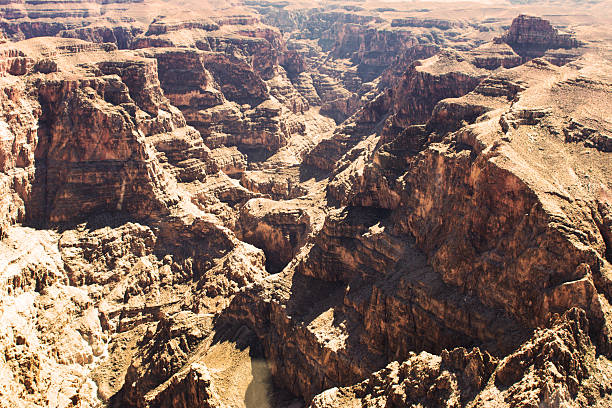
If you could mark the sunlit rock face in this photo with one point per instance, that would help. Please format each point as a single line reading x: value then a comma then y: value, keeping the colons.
x: 283, y: 205
x: 532, y: 36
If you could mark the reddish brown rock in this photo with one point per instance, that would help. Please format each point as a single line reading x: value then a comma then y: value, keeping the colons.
x: 566, y: 373
x: 440, y: 238
x: 19, y: 140
x: 424, y: 84
x: 357, y: 243
x: 279, y: 184
x: 193, y: 388
x: 532, y: 36
x: 79, y: 175
x: 279, y: 229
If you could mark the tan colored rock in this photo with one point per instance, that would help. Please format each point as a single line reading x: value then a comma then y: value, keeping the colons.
x: 278, y: 183
x: 459, y: 378
x: 532, y: 36
x: 194, y: 388
x: 280, y: 229
x: 434, y: 205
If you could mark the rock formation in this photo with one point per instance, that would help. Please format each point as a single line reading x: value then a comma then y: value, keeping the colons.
x: 531, y: 37
x: 281, y: 204
x: 555, y: 368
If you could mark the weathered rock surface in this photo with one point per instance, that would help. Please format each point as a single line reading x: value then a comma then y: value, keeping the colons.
x: 102, y: 138
x: 280, y: 229
x: 557, y: 367
x: 364, y: 254
x: 421, y: 87
x: 532, y: 36
x: 194, y: 388
x: 282, y: 204
x: 228, y: 98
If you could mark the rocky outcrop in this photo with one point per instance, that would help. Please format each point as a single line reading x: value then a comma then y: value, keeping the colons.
x: 233, y: 72
x: 363, y: 319
x: 121, y: 35
x: 424, y: 84
x: 326, y: 154
x: 264, y: 128
x: 260, y: 47
x: 236, y: 79
x: 283, y: 90
x: 320, y: 25
x: 393, y: 74
x: 279, y: 184
x: 79, y: 24
x: 426, y: 22
x: 373, y: 206
x: 185, y: 154
x: 228, y: 100
x: 93, y: 156
x: 161, y: 26
x: 372, y: 49
x: 494, y: 55
x: 304, y: 84
x: 103, y: 289
x: 412, y: 102
x: 193, y: 388
x: 229, y: 160
x: 50, y: 340
x: 102, y: 138
x: 467, y: 146
x: 557, y: 366
x: 280, y: 229
x: 383, y: 292
x: 531, y: 37
x: 430, y: 380
x: 19, y: 140
x: 28, y: 29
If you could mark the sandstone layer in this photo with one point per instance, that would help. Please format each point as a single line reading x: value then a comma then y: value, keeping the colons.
x: 283, y: 204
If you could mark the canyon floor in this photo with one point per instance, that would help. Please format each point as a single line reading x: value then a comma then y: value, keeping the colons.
x: 287, y: 204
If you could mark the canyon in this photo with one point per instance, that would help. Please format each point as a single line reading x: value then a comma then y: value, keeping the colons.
x: 285, y: 204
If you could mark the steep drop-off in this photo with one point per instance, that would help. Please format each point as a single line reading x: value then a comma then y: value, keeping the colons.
x: 276, y: 204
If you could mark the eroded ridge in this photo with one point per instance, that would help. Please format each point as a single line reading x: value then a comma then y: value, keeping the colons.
x: 284, y: 204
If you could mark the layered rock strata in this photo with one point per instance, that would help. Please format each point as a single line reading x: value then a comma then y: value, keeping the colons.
x: 361, y: 206
x: 481, y: 139
x: 532, y: 37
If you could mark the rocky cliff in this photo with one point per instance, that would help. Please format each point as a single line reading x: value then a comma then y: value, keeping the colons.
x: 277, y: 204
x: 380, y: 262
x: 531, y: 37
x: 100, y: 138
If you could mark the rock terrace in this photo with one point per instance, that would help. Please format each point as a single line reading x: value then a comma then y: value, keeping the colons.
x: 285, y: 204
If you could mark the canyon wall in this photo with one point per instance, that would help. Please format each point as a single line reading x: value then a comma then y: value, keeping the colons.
x: 279, y: 205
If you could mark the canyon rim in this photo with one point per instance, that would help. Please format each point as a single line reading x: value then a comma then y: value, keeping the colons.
x: 305, y: 204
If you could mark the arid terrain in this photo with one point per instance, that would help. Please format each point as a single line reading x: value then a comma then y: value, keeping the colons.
x: 298, y: 203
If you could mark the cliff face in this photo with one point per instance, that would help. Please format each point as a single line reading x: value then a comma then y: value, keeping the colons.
x: 411, y: 102
x: 422, y: 200
x: 97, y: 141
x: 237, y: 93
x: 19, y: 141
x: 532, y: 36
x: 86, y: 148
x: 453, y: 378
x: 93, y: 143
x: 384, y: 295
x: 76, y: 177
x: 375, y: 205
x: 426, y: 83
x: 372, y: 49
